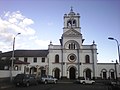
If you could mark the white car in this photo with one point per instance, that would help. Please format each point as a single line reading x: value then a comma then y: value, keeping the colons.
x: 87, y: 81
x: 48, y: 79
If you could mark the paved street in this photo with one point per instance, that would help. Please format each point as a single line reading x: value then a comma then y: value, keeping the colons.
x: 61, y: 86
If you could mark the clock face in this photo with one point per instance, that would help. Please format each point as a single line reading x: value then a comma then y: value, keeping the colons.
x: 72, y: 57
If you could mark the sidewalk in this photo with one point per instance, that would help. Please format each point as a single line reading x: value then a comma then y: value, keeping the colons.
x: 66, y: 81
x: 6, y: 85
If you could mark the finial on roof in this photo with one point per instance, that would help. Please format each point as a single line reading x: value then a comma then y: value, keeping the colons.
x: 71, y: 9
x: 116, y: 61
x: 71, y: 12
x: 51, y: 43
x: 93, y: 42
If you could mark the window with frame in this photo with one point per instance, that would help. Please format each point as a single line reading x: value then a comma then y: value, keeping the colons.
x: 25, y: 59
x: 104, y: 75
x: 43, y: 59
x: 72, y: 57
x: 71, y: 46
x: 17, y: 58
x: 35, y: 60
x: 112, y: 75
x: 87, y: 59
x: 57, y: 58
x: 74, y: 22
x: 16, y: 67
x: 69, y: 23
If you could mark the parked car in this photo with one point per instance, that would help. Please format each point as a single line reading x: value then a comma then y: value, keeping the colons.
x: 47, y: 79
x: 86, y: 81
x: 25, y: 79
x: 114, y: 83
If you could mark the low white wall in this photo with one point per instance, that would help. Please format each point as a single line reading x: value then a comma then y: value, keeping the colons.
x: 6, y: 73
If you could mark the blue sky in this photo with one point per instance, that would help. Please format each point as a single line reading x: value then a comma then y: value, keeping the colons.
x: 41, y: 21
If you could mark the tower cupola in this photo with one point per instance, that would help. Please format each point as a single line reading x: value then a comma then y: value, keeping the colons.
x: 71, y: 20
x: 71, y: 12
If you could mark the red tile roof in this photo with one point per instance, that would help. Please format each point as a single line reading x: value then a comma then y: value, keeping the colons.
x: 26, y: 53
x: 21, y: 62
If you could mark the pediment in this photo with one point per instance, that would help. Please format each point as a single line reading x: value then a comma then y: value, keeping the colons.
x: 71, y: 32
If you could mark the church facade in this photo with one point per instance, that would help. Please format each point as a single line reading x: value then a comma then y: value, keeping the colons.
x: 74, y: 58
x: 71, y: 59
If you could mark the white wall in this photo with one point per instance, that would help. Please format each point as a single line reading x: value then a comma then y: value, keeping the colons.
x: 108, y: 67
x: 6, y: 73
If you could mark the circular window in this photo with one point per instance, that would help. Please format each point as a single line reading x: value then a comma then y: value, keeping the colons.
x: 72, y: 57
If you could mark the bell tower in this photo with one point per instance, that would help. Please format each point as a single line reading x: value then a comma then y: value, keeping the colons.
x: 71, y: 30
x: 71, y: 20
x: 71, y: 43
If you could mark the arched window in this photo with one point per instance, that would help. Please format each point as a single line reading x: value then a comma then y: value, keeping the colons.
x: 104, y: 74
x: 88, y: 74
x: 87, y: 59
x: 33, y: 70
x: 69, y: 23
x: 16, y: 67
x: 74, y: 22
x: 71, y: 46
x: 57, y: 58
x: 112, y: 74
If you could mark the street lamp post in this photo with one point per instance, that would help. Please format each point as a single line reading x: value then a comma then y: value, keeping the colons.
x: 115, y: 67
x: 117, y: 46
x: 116, y: 70
x: 11, y: 76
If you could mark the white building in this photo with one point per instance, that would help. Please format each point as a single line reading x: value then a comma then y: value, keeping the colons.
x: 71, y: 59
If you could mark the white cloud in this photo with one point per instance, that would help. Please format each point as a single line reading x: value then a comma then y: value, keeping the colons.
x: 12, y: 23
x: 5, y: 47
x: 5, y: 37
x: 18, y: 15
x: 33, y: 38
x: 42, y: 43
x: 27, y: 21
x: 7, y: 14
x: 13, y: 20
x: 16, y: 22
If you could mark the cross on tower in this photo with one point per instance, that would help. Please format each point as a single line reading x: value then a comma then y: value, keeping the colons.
x: 71, y: 9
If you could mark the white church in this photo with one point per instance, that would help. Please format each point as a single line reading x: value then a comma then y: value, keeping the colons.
x: 69, y: 60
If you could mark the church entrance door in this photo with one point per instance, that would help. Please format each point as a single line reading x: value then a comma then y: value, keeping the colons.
x: 88, y: 74
x: 57, y: 73
x: 72, y: 72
